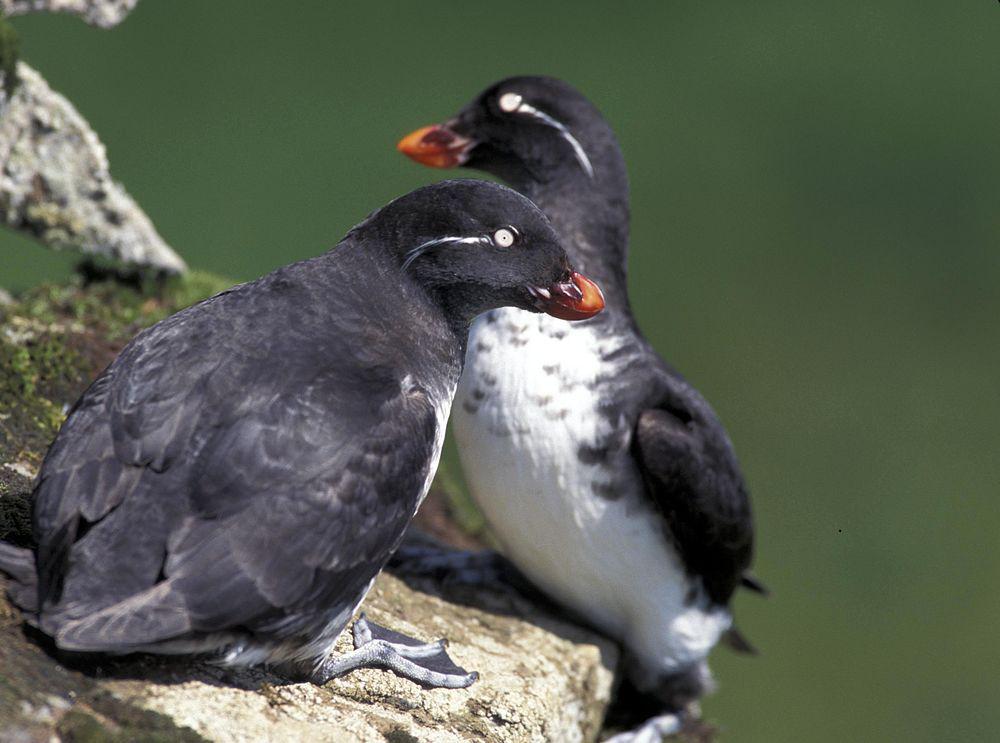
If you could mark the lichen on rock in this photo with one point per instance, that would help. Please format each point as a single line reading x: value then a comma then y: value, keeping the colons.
x: 55, y: 184
x: 102, y: 13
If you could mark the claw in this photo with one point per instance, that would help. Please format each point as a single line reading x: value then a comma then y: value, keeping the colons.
x: 427, y: 664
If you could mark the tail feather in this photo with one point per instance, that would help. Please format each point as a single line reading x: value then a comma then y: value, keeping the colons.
x: 738, y: 642
x: 752, y: 582
x: 19, y: 564
x: 144, y: 619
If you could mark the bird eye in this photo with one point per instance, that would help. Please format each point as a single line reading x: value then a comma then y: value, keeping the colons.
x: 503, y: 237
x: 510, y: 102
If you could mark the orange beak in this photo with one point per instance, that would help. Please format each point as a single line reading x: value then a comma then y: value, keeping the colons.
x: 436, y: 146
x: 576, y: 299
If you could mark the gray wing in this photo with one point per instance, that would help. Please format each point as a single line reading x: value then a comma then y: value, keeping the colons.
x: 189, y: 493
x: 321, y: 523
x: 117, y: 445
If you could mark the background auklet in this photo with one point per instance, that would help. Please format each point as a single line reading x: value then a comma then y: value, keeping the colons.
x: 604, y: 475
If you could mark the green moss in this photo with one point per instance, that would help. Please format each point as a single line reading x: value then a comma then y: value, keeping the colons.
x: 54, y: 340
x: 27, y: 420
x: 15, y: 518
x: 57, y: 337
x: 10, y: 47
x: 22, y: 376
x: 117, y: 304
x: 79, y: 727
x: 193, y: 287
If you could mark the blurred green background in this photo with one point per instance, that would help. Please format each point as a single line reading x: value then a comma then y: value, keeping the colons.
x: 815, y: 244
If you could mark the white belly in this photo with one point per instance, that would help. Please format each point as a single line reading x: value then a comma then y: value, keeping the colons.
x: 579, y: 530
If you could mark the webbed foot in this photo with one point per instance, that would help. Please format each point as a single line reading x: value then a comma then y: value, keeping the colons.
x: 427, y: 664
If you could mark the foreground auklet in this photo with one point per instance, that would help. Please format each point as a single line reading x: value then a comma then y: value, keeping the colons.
x: 236, y: 478
x: 606, y: 478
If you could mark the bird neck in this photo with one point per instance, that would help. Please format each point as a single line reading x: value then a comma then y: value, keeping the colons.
x: 459, y: 306
x: 592, y: 215
x: 447, y: 308
x: 362, y: 279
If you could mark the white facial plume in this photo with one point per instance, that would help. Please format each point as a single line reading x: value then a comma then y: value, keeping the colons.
x: 514, y: 103
x: 502, y: 238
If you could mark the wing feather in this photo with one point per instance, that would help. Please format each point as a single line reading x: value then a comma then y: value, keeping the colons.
x: 694, y: 480
x: 190, y: 491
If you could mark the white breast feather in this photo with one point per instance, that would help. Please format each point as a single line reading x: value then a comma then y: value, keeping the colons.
x: 522, y: 411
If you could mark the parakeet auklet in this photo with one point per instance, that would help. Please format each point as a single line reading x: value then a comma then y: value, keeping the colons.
x: 236, y: 478
x: 605, y: 476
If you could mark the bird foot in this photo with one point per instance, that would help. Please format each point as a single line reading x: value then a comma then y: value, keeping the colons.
x: 427, y: 664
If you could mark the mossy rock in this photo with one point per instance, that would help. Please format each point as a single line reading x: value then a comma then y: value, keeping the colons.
x: 56, y: 338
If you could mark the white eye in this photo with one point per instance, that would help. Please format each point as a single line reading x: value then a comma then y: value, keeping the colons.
x: 510, y: 102
x: 503, y: 237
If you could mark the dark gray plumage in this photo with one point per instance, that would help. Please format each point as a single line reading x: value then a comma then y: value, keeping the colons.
x: 235, y: 479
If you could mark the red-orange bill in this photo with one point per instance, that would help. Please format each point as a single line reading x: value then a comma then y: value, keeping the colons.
x: 436, y: 146
x: 576, y: 299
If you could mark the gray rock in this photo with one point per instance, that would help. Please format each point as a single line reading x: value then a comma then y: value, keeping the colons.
x: 541, y: 679
x: 103, y: 13
x: 55, y: 184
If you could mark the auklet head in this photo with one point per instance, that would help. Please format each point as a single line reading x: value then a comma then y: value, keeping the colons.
x: 476, y: 246
x: 526, y: 130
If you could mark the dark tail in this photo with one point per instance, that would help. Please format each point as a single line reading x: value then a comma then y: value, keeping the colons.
x: 738, y: 642
x: 19, y: 564
x: 735, y: 639
x: 752, y: 582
